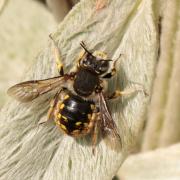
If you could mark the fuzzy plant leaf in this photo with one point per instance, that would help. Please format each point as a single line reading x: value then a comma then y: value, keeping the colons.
x: 30, y: 151
x: 159, y: 164
x: 20, y: 39
x: 163, y: 125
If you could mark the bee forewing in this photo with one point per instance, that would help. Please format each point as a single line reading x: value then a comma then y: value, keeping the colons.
x: 111, y: 139
x: 108, y: 127
x: 29, y: 90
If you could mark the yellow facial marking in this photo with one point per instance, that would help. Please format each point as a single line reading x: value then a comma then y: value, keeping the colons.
x: 66, y: 97
x: 78, y: 123
x: 100, y: 54
x: 63, y: 126
x: 61, y: 106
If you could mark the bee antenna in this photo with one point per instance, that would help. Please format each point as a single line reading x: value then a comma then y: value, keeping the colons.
x: 84, y: 47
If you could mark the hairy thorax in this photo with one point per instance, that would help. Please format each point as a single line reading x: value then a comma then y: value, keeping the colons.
x: 85, y: 82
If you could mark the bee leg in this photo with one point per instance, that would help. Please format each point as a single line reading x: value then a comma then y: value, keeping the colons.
x: 95, y: 133
x: 128, y: 92
x: 113, y: 70
x: 51, y: 109
x: 53, y: 104
x: 94, y: 137
x: 57, y: 57
x: 81, y: 54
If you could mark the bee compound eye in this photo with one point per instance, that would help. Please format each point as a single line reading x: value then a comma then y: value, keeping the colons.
x: 87, y: 62
x: 83, y: 61
x: 103, y: 65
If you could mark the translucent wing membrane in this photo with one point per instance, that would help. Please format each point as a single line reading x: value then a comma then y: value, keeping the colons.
x: 108, y: 127
x: 29, y: 90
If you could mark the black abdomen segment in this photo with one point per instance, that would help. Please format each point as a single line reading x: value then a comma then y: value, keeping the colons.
x: 75, y: 114
x: 85, y: 82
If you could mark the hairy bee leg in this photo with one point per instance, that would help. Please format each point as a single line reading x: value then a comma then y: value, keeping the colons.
x: 57, y: 57
x: 128, y: 92
x: 94, y: 137
x: 80, y: 56
x: 95, y: 132
x: 113, y: 70
x: 50, y: 111
x: 53, y: 104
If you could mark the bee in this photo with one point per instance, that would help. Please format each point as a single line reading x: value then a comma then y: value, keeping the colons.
x: 81, y: 109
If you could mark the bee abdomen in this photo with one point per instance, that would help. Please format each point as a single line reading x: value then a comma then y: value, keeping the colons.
x: 74, y: 115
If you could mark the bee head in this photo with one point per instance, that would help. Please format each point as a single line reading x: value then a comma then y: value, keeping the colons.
x: 96, y: 62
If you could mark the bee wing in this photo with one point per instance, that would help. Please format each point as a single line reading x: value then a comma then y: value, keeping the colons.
x: 108, y: 126
x: 29, y: 90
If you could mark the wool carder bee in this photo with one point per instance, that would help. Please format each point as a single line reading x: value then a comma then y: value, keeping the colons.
x: 82, y: 109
